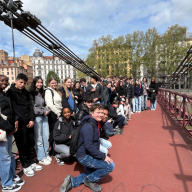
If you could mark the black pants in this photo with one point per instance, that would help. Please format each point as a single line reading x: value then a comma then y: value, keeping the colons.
x: 119, y: 121
x: 24, y: 138
x: 52, y: 119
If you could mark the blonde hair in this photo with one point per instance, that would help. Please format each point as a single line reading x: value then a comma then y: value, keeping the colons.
x: 65, y: 88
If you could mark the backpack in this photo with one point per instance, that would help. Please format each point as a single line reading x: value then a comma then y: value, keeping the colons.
x: 75, y: 137
x: 51, y: 94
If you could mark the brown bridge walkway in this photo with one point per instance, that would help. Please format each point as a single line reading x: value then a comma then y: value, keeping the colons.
x: 152, y: 155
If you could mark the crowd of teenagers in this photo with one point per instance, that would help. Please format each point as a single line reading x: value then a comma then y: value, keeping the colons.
x: 69, y: 121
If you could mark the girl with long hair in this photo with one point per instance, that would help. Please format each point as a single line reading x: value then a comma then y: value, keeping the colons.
x: 120, y: 89
x: 68, y: 99
x: 144, y: 96
x: 152, y: 94
x: 78, y: 94
x: 41, y: 126
x: 53, y: 102
x: 138, y: 91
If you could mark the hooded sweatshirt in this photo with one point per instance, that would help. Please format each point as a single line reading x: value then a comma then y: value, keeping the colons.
x: 90, y: 139
x: 21, y: 104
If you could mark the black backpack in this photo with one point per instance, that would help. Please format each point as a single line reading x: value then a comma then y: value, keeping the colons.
x: 75, y: 137
x: 51, y: 94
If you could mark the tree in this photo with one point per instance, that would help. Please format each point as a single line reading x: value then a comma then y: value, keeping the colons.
x: 52, y: 74
x: 135, y: 44
x: 151, y: 49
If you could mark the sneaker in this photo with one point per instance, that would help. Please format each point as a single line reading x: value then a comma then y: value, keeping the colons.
x: 67, y: 185
x: 45, y: 162
x: 49, y: 158
x: 132, y: 113
x: 28, y: 171
x: 36, y: 167
x: 12, y: 188
x: 93, y: 186
x: 18, y: 181
x: 136, y: 111
x: 139, y: 112
x: 59, y: 161
x: 118, y: 132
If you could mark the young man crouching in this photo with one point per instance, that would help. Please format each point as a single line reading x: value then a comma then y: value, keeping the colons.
x: 96, y: 164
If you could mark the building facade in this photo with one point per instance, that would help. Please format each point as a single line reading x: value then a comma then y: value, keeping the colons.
x: 28, y: 61
x: 3, y: 57
x: 42, y: 65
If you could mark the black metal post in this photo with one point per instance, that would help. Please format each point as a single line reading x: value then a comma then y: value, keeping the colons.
x: 11, y: 18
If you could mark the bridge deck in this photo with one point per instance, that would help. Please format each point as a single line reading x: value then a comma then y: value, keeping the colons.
x: 153, y: 155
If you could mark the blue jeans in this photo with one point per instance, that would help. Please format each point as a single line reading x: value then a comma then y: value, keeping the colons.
x: 143, y: 102
x: 95, y: 170
x: 41, y: 134
x: 109, y: 133
x: 133, y: 105
x: 138, y: 103
x: 119, y: 121
x: 7, y: 162
x: 153, y: 104
x: 105, y: 145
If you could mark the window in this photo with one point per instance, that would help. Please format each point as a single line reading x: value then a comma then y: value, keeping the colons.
x: 38, y: 61
x: 12, y: 78
x: 39, y: 72
x: 48, y: 66
x: 11, y: 69
x: 2, y: 69
x: 61, y: 76
x: 11, y: 73
x: 44, y: 67
x: 2, y: 73
x: 56, y: 62
x: 39, y: 66
x: 44, y: 62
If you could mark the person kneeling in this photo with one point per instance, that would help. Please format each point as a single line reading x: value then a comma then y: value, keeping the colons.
x: 118, y: 119
x: 62, y: 135
x: 96, y: 164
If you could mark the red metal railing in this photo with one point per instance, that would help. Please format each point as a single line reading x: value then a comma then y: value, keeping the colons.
x: 179, y: 105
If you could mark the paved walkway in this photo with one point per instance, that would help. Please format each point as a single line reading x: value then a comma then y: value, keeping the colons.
x: 153, y: 155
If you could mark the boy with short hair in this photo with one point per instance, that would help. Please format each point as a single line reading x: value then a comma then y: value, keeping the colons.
x: 96, y: 164
x: 24, y: 114
x: 118, y: 119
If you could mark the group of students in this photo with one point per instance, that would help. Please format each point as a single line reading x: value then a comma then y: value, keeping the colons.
x: 47, y: 119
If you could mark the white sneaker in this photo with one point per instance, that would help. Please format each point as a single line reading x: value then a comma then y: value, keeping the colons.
x: 139, y: 112
x: 49, y: 158
x: 36, y: 167
x: 45, y: 162
x: 131, y: 112
x: 18, y: 181
x: 12, y: 188
x: 136, y: 111
x: 28, y: 171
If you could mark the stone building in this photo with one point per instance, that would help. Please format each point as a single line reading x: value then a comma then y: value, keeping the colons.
x: 42, y: 65
x: 3, y: 57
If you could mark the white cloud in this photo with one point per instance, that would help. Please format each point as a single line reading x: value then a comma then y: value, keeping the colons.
x: 78, y: 23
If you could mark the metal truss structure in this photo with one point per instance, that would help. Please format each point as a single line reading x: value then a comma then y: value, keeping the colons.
x: 182, y: 70
x: 12, y: 14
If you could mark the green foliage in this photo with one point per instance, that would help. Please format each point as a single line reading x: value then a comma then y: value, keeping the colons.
x: 52, y: 74
x: 81, y: 75
x: 159, y: 54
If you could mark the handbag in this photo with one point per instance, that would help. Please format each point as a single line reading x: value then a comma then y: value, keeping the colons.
x: 3, y: 134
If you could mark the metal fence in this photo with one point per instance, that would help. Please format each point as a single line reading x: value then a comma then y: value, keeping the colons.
x: 179, y: 106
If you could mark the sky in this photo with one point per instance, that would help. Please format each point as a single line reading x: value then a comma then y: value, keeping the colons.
x: 78, y: 22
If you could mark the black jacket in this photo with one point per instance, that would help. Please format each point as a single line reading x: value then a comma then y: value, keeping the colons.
x: 80, y: 97
x: 103, y: 133
x: 113, y: 97
x: 62, y: 130
x: 21, y: 104
x: 83, y: 111
x: 65, y: 100
x: 129, y: 91
x: 97, y: 93
x: 113, y: 113
x: 152, y: 96
x: 120, y: 91
x: 5, y: 103
x: 105, y: 95
x: 89, y: 138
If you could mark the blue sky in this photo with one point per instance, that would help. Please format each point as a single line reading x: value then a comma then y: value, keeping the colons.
x: 78, y: 22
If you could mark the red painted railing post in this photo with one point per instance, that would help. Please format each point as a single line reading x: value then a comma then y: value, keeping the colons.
x: 184, y: 102
x: 169, y: 101
x: 175, y: 105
